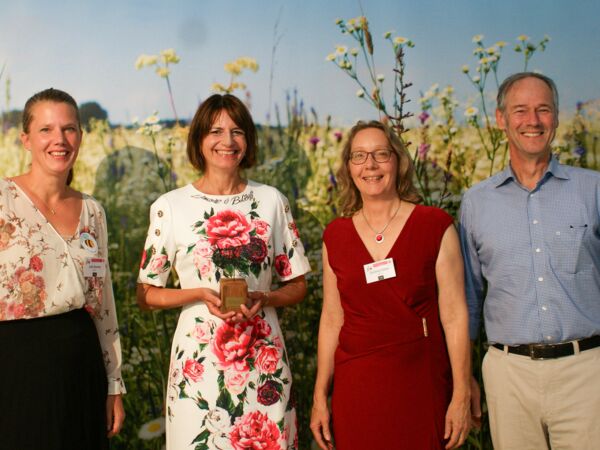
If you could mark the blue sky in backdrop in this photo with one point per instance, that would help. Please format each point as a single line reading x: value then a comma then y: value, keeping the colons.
x: 88, y: 48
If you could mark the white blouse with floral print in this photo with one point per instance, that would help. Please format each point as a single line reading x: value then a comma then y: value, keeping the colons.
x: 229, y: 384
x: 43, y: 273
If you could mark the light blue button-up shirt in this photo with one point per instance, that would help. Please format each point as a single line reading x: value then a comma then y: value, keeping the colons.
x: 538, y: 253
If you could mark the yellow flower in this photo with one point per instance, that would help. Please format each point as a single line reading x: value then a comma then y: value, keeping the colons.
x: 476, y: 79
x: 217, y: 87
x: 399, y: 40
x: 478, y: 50
x: 169, y: 56
x: 338, y: 21
x: 491, y: 50
x: 522, y: 38
x: 246, y: 62
x: 162, y: 72
x: 360, y: 93
x: 501, y: 44
x: 331, y: 57
x: 354, y: 51
x: 478, y: 38
x: 151, y: 120
x: 471, y: 111
x: 380, y: 77
x: 465, y: 69
x: 341, y: 49
x: 152, y: 429
x: 145, y: 60
x: 351, y: 22
x: 233, y: 68
x: 387, y: 34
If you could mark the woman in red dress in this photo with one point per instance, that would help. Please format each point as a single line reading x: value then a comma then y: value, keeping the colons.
x: 393, y: 336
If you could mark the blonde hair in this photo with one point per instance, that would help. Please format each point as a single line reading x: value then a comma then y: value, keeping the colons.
x: 350, y: 200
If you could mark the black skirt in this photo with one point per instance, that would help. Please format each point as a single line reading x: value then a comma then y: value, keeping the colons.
x: 53, y: 384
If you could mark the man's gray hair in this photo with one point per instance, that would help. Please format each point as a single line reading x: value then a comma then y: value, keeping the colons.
x: 511, y: 80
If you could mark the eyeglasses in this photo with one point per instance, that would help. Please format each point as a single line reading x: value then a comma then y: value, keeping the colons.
x: 379, y: 156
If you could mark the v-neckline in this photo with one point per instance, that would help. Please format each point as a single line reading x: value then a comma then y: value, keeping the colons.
x: 364, y: 246
x: 62, y: 236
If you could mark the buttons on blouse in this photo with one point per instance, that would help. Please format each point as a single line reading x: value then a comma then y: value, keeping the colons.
x: 157, y: 232
x: 160, y: 213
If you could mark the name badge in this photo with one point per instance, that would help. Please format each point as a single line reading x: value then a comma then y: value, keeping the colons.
x: 380, y: 270
x: 94, y: 267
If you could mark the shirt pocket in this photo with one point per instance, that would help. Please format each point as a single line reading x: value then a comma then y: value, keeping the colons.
x: 566, y: 248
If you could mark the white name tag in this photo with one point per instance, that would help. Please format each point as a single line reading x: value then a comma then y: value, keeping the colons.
x: 380, y: 270
x: 94, y: 267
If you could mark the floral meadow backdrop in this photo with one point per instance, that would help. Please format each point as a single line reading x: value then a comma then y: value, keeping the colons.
x: 453, y: 146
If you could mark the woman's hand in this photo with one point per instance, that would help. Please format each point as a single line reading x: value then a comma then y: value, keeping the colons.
x: 319, y: 425
x: 115, y: 414
x: 256, y: 300
x: 458, y: 421
x: 213, y: 302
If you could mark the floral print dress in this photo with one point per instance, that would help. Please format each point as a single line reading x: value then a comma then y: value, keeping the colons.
x: 229, y: 386
x: 43, y: 273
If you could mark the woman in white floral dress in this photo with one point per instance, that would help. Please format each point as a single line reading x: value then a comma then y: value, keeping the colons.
x: 229, y: 383
x: 60, y: 354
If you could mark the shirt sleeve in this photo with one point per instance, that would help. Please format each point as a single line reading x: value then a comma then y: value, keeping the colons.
x: 290, y: 260
x: 159, y: 250
x: 474, y: 281
x: 105, y: 317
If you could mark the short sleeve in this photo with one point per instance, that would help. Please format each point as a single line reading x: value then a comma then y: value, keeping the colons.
x: 289, y: 260
x: 159, y: 250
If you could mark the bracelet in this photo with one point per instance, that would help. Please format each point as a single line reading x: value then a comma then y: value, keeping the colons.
x: 266, y: 298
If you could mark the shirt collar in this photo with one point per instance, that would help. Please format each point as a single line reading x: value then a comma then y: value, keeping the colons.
x: 554, y: 168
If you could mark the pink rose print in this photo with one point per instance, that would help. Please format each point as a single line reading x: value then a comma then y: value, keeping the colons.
x: 228, y: 228
x: 36, y: 263
x: 282, y: 265
x: 193, y: 370
x: 233, y: 344
x: 6, y: 231
x: 144, y: 258
x: 158, y: 263
x: 294, y: 228
x: 203, y: 249
x: 202, y: 332
x: 267, y: 359
x: 262, y: 229
x: 254, y: 430
x: 262, y: 326
x: 235, y: 381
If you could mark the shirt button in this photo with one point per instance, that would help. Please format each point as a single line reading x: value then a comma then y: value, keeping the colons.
x: 532, y: 194
x: 535, y: 222
x: 537, y: 250
x: 544, y: 308
x: 540, y: 278
x: 558, y: 233
x: 549, y: 337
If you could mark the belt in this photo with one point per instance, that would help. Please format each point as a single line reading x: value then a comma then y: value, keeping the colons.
x: 550, y: 351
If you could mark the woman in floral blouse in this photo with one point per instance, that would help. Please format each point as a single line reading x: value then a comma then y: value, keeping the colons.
x: 229, y: 380
x: 60, y: 380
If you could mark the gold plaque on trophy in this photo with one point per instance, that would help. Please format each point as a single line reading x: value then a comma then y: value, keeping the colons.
x: 234, y: 292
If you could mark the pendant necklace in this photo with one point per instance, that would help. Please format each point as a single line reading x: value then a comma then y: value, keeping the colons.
x: 379, y: 235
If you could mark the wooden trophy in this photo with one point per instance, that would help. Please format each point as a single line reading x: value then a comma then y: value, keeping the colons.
x: 234, y: 292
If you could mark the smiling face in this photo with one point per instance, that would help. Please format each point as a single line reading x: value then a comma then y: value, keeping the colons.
x: 53, y: 137
x: 224, y: 146
x: 373, y: 179
x: 529, y: 119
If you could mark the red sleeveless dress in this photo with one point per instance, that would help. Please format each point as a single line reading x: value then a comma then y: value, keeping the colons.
x: 392, y: 380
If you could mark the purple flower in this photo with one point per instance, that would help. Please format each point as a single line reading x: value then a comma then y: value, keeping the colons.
x: 579, y: 106
x: 423, y: 150
x: 579, y: 150
x: 423, y: 117
x: 314, y: 140
x: 338, y: 136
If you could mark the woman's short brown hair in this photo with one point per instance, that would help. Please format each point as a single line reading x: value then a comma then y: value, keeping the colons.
x: 205, y: 117
x: 350, y: 200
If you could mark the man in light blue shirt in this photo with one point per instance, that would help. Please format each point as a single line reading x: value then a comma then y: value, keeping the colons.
x: 531, y: 242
